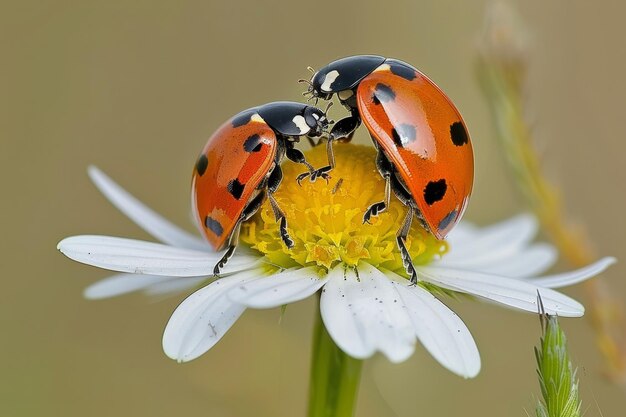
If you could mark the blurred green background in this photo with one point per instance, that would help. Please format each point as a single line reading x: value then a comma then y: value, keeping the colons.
x: 136, y: 87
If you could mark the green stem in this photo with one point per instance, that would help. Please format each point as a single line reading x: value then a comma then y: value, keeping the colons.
x: 335, y: 377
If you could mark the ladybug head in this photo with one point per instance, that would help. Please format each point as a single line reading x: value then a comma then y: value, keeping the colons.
x: 317, y: 120
x: 341, y: 75
x: 315, y: 91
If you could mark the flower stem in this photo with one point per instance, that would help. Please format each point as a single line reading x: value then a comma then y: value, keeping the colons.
x: 335, y: 376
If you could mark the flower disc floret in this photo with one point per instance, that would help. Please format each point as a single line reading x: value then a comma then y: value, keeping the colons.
x: 326, y: 219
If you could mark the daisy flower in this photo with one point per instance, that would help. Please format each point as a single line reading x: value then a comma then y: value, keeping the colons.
x: 367, y: 302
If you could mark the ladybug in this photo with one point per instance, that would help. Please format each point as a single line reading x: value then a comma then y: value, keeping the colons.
x: 424, y: 150
x: 239, y: 168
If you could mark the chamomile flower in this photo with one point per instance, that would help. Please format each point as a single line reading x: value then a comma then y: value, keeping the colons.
x: 367, y: 303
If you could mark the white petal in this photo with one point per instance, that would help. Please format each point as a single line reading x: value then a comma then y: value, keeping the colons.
x: 144, y: 217
x: 201, y: 320
x: 174, y: 286
x: 279, y: 289
x: 362, y: 314
x: 530, y: 261
x: 462, y: 233
x: 439, y: 329
x: 121, y: 284
x: 495, y: 242
x: 508, y: 291
x: 573, y: 277
x: 139, y: 257
x: 535, y: 259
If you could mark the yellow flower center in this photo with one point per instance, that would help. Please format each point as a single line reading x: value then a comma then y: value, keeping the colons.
x: 325, y: 220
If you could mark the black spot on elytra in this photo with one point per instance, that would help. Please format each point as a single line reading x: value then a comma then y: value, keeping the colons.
x: 403, y: 134
x: 458, y: 134
x: 253, y: 143
x: 202, y: 164
x: 445, y: 222
x: 242, y: 118
x: 434, y: 191
x: 235, y: 188
x: 383, y: 94
x: 402, y: 71
x: 213, y: 225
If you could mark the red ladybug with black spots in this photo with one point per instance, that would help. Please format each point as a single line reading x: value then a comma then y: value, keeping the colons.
x: 424, y: 150
x: 239, y: 168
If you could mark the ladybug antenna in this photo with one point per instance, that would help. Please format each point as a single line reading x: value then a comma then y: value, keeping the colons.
x: 330, y: 104
x: 303, y: 81
x: 311, y: 69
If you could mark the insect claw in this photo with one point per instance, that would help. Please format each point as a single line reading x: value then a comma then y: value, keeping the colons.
x: 216, y: 270
x: 302, y: 176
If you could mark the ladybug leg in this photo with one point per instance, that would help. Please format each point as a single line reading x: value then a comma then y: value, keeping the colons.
x: 282, y: 220
x: 385, y: 170
x: 323, y: 171
x: 405, y: 198
x: 401, y: 240
x: 297, y: 156
x: 233, y: 240
x: 377, y: 208
x: 273, y: 182
x: 232, y: 245
x: 343, y: 130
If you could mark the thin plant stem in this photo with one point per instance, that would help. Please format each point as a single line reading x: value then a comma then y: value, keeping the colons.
x: 335, y: 377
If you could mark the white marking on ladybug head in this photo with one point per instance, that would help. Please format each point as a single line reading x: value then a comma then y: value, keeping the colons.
x: 383, y: 67
x: 344, y: 95
x: 301, y: 124
x: 316, y: 116
x: 256, y: 117
x: 329, y: 80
